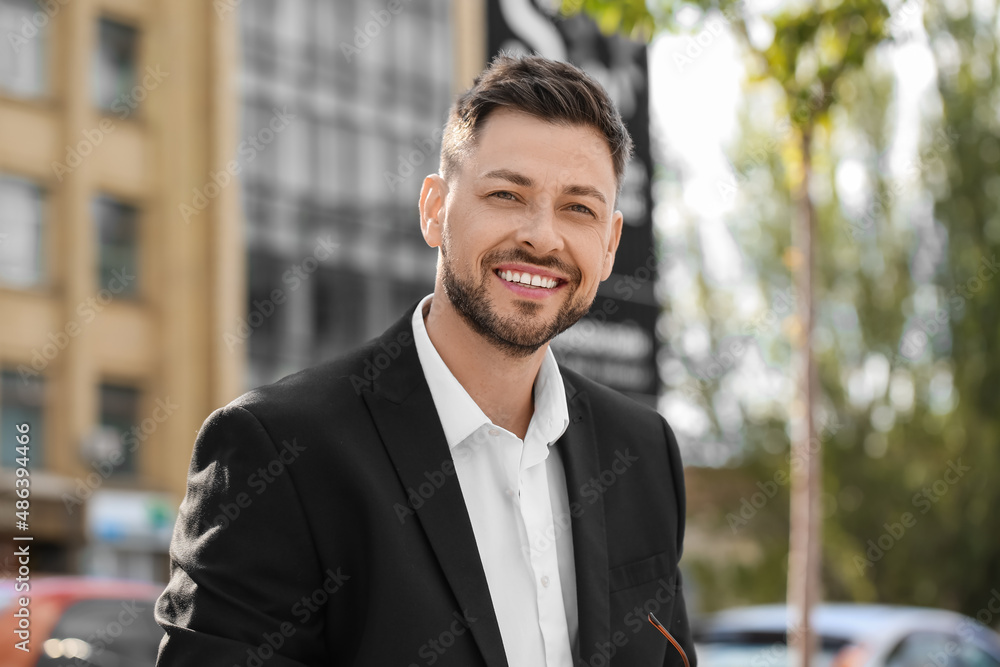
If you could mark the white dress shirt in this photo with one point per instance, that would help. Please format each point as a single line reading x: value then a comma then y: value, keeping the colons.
x: 515, y: 492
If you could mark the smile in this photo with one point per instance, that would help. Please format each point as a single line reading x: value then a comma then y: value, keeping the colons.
x: 528, y: 279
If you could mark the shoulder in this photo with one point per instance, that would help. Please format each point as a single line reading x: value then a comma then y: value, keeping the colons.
x: 609, y: 404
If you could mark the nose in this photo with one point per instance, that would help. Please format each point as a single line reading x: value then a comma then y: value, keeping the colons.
x: 539, y: 230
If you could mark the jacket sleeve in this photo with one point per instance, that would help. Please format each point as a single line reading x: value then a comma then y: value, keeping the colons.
x: 244, y: 573
x: 678, y: 624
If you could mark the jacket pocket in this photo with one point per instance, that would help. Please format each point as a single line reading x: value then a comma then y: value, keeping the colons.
x: 639, y: 572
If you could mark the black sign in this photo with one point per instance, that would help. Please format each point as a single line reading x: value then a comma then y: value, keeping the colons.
x: 615, y: 343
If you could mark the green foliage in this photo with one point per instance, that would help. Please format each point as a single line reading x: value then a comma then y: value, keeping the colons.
x: 630, y: 17
x: 961, y: 549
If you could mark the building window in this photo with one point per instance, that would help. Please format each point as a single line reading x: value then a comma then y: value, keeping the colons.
x: 268, y: 297
x: 21, y: 238
x: 339, y: 307
x: 117, y: 226
x: 22, y: 400
x: 120, y: 436
x: 115, y: 71
x: 22, y: 59
x: 338, y: 177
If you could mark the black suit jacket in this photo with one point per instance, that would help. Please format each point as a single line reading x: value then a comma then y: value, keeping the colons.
x: 324, y: 525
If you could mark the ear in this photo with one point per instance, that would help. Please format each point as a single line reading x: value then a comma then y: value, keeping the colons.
x: 432, y: 198
x: 615, y: 237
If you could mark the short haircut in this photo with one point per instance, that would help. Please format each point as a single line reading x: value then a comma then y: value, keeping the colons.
x: 553, y: 91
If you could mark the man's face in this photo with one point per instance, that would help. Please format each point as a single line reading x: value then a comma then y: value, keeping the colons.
x: 533, y: 202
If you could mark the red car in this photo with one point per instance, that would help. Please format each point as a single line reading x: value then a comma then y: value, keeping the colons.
x: 91, y: 622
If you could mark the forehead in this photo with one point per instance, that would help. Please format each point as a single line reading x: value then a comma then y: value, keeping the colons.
x: 517, y: 140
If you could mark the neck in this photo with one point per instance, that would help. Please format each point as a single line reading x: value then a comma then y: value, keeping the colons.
x: 500, y: 385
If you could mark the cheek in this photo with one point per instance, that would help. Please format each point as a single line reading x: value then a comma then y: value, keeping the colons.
x: 475, y: 228
x: 592, y: 255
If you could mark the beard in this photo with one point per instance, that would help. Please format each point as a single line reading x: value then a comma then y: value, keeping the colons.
x: 517, y: 335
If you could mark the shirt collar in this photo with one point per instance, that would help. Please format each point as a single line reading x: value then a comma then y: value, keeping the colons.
x: 460, y: 415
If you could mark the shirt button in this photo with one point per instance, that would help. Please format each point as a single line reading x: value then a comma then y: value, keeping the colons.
x: 494, y: 432
x: 510, y: 492
x: 545, y: 581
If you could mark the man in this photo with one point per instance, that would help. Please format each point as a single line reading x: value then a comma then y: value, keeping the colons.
x: 447, y: 495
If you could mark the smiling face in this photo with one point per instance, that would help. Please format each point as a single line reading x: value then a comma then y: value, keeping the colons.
x: 526, y: 228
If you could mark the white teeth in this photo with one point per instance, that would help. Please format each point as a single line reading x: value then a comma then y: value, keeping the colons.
x: 528, y: 279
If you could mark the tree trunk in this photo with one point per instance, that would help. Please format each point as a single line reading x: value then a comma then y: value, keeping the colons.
x: 804, y: 552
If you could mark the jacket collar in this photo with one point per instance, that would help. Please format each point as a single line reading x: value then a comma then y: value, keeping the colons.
x: 398, y: 398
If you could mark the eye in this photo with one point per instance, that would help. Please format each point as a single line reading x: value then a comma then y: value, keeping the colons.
x: 580, y: 208
x: 503, y: 194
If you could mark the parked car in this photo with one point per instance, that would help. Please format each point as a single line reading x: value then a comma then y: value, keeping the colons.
x: 849, y: 635
x: 80, y: 621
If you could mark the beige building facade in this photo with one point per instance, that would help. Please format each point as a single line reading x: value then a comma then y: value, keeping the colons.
x: 112, y: 114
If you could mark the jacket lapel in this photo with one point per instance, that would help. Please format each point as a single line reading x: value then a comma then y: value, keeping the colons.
x: 403, y: 410
x: 578, y: 450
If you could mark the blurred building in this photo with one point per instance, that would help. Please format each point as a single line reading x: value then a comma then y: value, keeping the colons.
x: 113, y: 113
x: 363, y: 89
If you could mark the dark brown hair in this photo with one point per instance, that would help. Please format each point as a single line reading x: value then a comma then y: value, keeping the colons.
x: 554, y: 91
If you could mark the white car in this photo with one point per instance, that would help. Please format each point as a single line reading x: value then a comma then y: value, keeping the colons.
x: 849, y: 635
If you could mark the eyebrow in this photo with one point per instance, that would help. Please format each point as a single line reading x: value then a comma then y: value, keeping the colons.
x: 586, y: 191
x: 525, y: 182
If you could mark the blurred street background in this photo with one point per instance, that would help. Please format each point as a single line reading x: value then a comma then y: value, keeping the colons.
x: 201, y: 196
